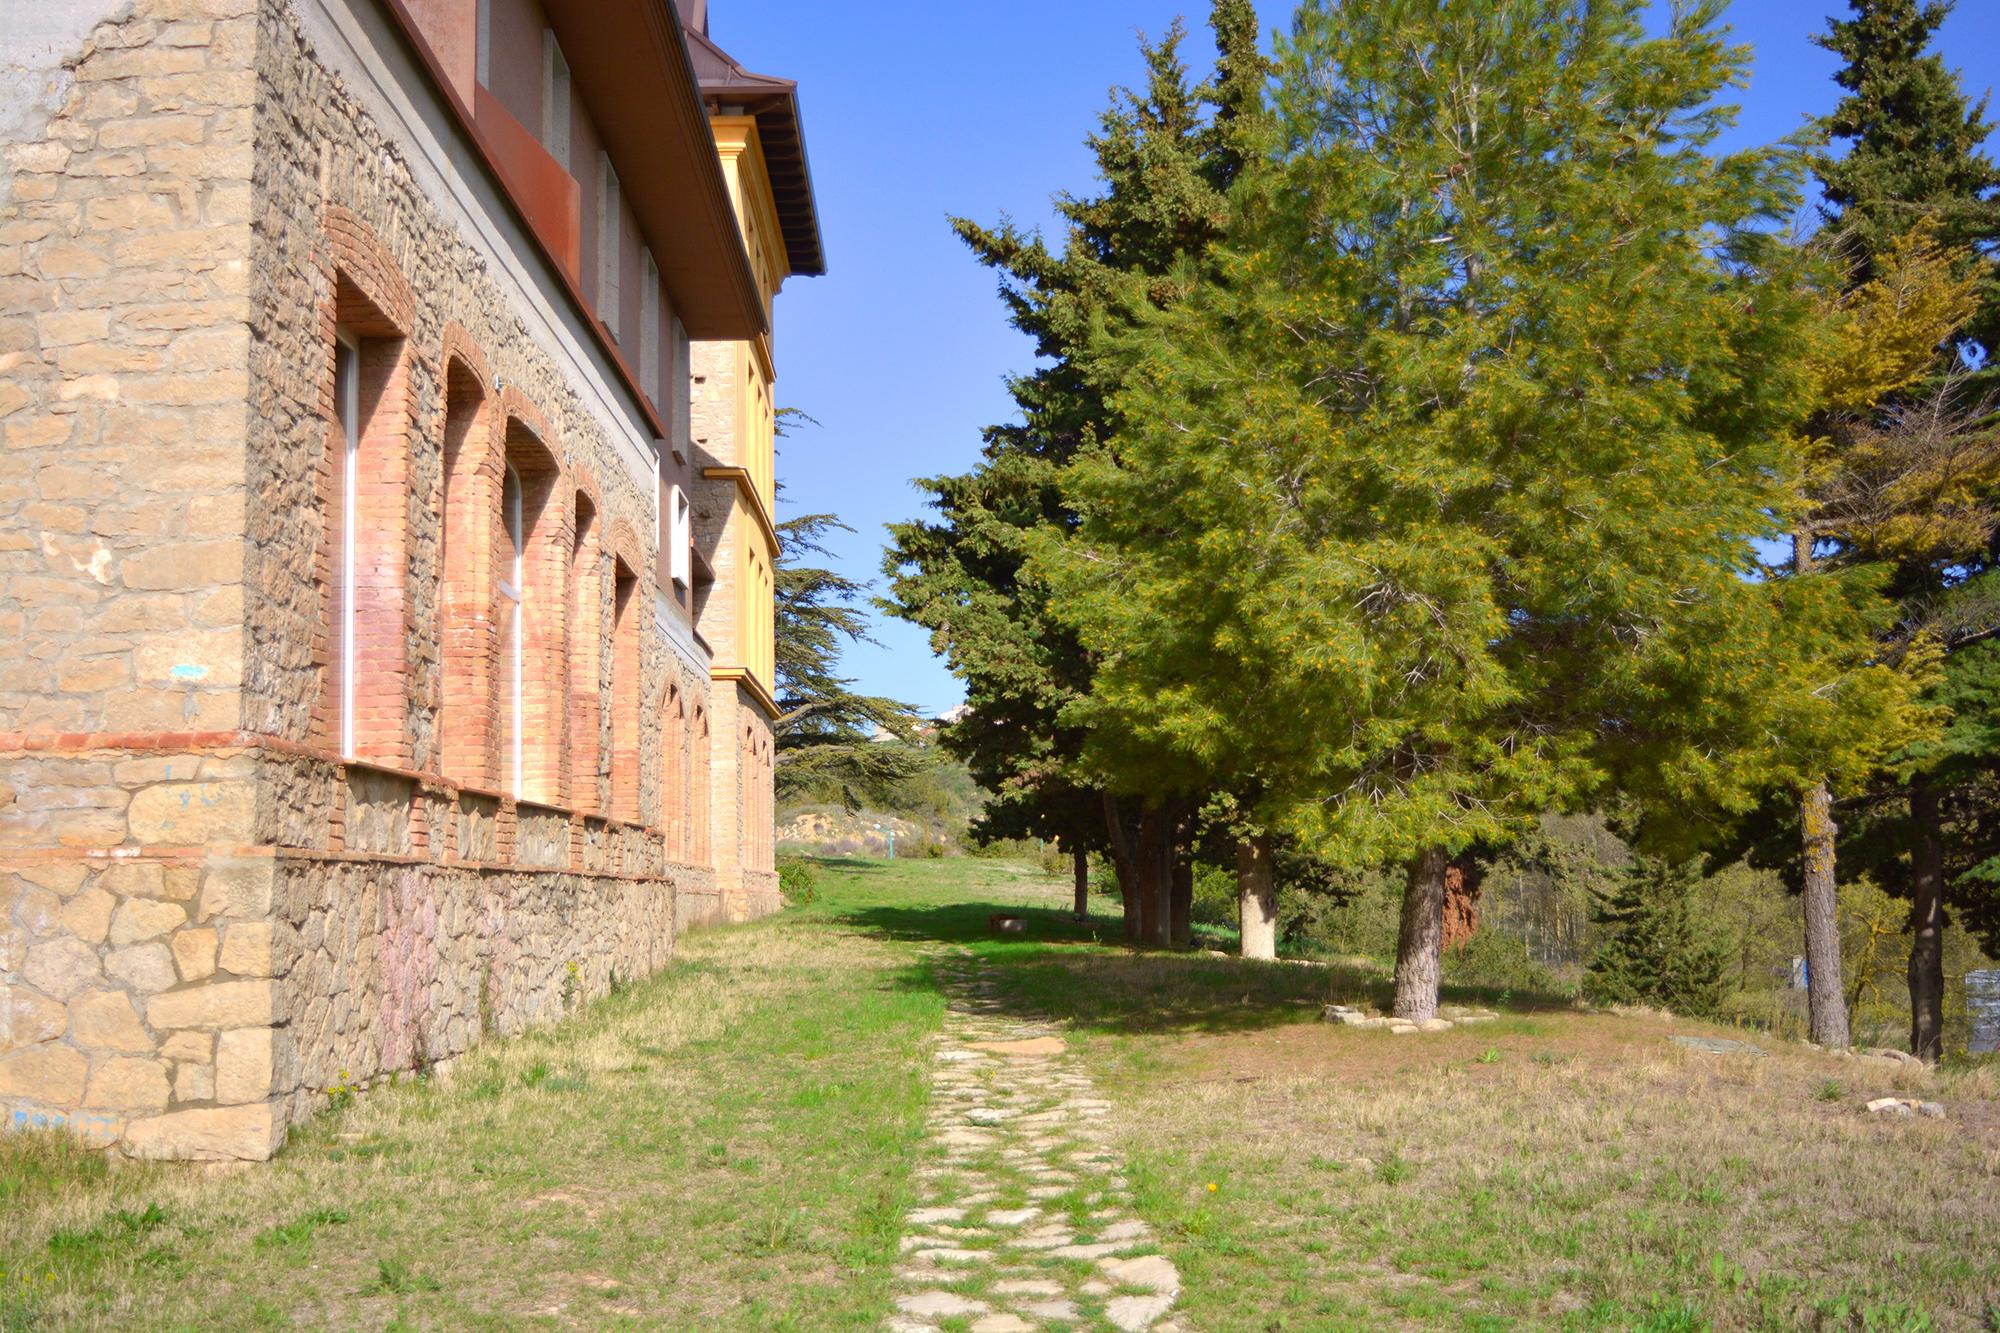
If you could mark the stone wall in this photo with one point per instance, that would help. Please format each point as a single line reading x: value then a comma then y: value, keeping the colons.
x: 207, y: 919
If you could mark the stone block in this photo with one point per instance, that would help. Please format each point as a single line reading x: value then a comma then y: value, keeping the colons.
x: 146, y: 968
x: 252, y: 949
x: 190, y: 1047
x: 235, y: 889
x: 192, y: 657
x: 61, y: 967
x: 62, y: 878
x: 218, y: 1004
x: 208, y: 1134
x: 133, y: 879
x: 194, y: 1083
x: 185, y: 566
x: 104, y: 1020
x: 28, y: 1019
x: 193, y: 814
x: 194, y: 953
x: 127, y: 1083
x: 53, y: 1074
x: 245, y: 1064
x: 141, y: 919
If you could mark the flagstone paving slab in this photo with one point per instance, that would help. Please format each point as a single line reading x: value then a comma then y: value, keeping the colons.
x: 1021, y: 1183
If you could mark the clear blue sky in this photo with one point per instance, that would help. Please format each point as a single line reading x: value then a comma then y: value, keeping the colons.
x: 917, y: 109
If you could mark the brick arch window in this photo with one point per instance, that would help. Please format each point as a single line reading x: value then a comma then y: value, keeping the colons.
x: 625, y: 692
x: 364, y: 550
x: 700, y: 809
x: 766, y: 809
x: 748, y: 785
x: 468, y: 623
x: 673, y: 772
x: 586, y: 659
x: 530, y: 555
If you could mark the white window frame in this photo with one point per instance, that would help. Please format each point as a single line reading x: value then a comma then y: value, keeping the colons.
x: 649, y: 327
x: 482, y: 44
x: 680, y: 555
x: 347, y: 411
x: 514, y: 592
x: 609, y: 232
x: 555, y: 99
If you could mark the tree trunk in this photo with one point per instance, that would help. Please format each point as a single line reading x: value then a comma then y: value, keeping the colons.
x: 1926, y: 927
x: 1080, y: 865
x: 1125, y: 860
x: 1180, y: 907
x: 1145, y: 860
x: 1418, y: 943
x: 1826, y: 1005
x: 1462, y: 886
x: 1156, y: 878
x: 1256, y: 898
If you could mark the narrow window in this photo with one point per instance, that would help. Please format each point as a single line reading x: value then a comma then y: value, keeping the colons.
x: 608, y: 230
x: 680, y: 554
x: 347, y: 410
x: 555, y: 99
x: 483, y: 43
x: 649, y: 329
x: 513, y: 646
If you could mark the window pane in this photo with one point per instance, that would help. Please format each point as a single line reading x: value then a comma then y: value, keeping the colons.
x: 347, y: 413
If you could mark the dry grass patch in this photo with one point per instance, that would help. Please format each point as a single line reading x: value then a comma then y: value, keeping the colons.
x: 661, y: 1158
x: 1557, y: 1169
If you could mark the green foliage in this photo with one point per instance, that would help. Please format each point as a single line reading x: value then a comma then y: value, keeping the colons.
x: 1165, y: 154
x: 1659, y: 950
x: 1215, y: 896
x: 1433, y: 502
x: 825, y: 735
x: 1495, y: 961
x: 798, y: 880
x: 1356, y: 914
x: 1913, y: 150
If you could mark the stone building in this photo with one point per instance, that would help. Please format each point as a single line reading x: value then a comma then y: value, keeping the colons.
x: 385, y: 534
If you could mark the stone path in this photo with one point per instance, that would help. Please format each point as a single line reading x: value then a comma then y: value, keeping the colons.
x: 1024, y: 1220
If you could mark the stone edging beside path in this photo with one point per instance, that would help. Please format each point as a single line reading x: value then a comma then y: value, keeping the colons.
x: 1024, y: 1219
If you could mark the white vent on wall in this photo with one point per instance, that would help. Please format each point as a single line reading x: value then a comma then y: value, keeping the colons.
x: 608, y: 232
x: 680, y: 554
x: 649, y: 329
x: 555, y: 99
x: 482, y: 44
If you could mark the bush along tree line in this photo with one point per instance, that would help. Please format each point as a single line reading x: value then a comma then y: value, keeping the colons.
x: 1434, y: 430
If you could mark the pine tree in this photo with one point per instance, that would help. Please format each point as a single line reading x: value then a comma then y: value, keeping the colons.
x: 1914, y: 164
x: 824, y: 737
x: 1434, y: 505
x: 1166, y: 155
x: 1913, y: 154
x: 1658, y: 950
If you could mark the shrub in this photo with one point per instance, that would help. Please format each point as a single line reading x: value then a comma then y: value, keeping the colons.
x: 798, y: 880
x: 1659, y: 948
x: 1214, y: 896
x: 1349, y: 913
x: 1497, y: 961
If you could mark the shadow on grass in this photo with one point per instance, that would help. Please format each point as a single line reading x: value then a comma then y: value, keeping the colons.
x: 1083, y: 974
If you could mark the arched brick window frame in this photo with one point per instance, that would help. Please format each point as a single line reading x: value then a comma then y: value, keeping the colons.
x: 586, y: 654
x: 364, y: 643
x: 531, y: 551
x: 673, y: 770
x: 467, y: 618
x: 627, y: 618
x: 701, y: 810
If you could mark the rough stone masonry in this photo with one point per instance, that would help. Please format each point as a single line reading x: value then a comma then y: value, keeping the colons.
x: 209, y: 917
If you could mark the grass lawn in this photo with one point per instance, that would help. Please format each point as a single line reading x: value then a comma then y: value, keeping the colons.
x: 728, y: 1146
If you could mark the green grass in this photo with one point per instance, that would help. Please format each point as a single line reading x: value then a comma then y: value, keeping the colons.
x: 725, y: 1146
x: 728, y: 1146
